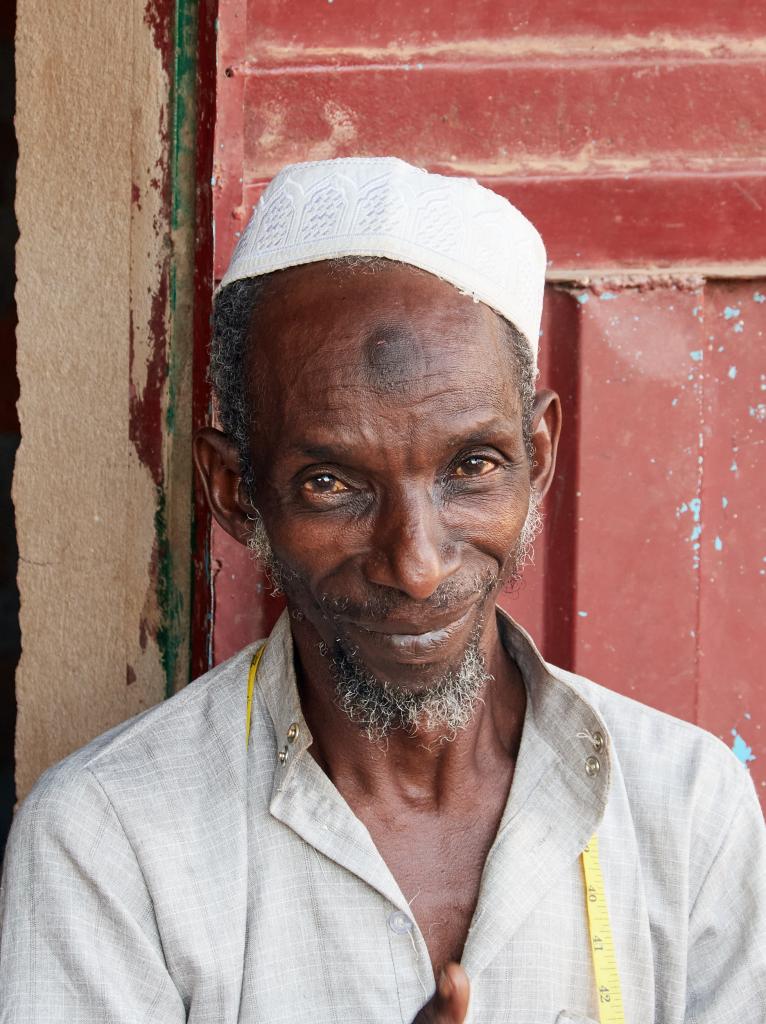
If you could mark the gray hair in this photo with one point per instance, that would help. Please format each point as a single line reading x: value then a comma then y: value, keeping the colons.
x: 234, y: 311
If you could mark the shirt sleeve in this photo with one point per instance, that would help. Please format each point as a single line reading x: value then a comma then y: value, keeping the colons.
x: 727, y: 929
x: 79, y: 942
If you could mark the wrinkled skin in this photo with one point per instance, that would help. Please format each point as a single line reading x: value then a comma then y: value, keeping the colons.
x: 391, y: 475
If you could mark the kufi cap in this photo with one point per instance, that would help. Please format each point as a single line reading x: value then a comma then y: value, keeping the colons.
x: 381, y: 206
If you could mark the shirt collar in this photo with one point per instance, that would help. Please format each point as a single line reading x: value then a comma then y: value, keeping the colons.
x: 277, y: 685
x: 558, y: 718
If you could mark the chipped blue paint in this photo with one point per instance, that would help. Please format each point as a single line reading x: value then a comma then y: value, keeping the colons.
x: 741, y: 750
x: 718, y: 544
x: 583, y: 615
x: 724, y: 501
x: 758, y: 412
x: 674, y: 402
x: 731, y: 312
x: 758, y: 297
x: 732, y: 372
x: 739, y: 327
x: 583, y: 297
x: 696, y: 310
x: 696, y: 355
x: 694, y: 505
x: 733, y: 467
x: 607, y: 296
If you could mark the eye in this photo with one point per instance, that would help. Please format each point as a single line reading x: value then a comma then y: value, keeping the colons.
x: 474, y: 466
x: 324, y: 483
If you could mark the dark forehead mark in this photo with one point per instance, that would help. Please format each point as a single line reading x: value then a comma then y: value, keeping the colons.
x: 392, y: 356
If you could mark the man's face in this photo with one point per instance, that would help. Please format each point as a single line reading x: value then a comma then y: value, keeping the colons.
x: 390, y: 466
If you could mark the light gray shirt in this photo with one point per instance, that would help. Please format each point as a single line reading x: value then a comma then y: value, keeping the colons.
x: 166, y: 873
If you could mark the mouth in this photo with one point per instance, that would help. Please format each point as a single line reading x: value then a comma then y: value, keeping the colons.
x: 407, y: 641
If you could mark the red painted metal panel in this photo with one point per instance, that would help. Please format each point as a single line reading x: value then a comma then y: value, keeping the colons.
x: 645, y: 125
x: 639, y: 407
x: 340, y: 26
x: 633, y: 136
x: 508, y: 117
x: 732, y: 681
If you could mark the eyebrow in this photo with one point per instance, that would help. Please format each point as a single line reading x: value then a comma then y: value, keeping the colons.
x: 479, y: 434
x: 320, y: 452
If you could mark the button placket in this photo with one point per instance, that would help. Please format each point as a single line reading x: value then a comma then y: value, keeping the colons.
x: 410, y: 961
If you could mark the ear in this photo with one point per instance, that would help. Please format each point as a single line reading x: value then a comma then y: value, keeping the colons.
x: 546, y: 428
x: 217, y: 462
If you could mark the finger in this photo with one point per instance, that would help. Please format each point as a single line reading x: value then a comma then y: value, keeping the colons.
x: 454, y: 991
x: 449, y: 1004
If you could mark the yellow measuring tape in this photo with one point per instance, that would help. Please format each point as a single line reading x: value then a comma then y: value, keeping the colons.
x: 599, y: 928
x: 601, y: 943
x: 250, y: 690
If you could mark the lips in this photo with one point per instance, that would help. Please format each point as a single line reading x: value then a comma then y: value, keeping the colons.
x: 408, y: 642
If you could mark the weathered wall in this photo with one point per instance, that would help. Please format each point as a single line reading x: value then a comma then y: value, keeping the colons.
x: 102, y: 480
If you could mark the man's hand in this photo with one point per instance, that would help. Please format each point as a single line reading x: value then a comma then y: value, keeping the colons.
x: 449, y: 1003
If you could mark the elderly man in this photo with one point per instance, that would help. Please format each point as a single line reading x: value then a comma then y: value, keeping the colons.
x: 393, y: 809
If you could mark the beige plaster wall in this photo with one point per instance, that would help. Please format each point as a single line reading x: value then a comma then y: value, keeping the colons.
x: 92, y: 264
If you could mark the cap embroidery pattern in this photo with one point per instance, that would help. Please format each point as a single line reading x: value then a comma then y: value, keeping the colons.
x: 358, y: 206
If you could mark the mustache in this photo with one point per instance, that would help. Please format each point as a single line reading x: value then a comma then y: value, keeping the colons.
x: 384, y: 603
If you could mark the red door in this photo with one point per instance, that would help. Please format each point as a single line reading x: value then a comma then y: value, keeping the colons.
x: 632, y: 135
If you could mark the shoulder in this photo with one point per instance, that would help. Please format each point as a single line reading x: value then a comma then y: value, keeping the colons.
x: 682, y: 784
x: 184, y: 744
x: 648, y: 742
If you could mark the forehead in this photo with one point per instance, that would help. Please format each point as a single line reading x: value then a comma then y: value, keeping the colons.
x: 389, y: 329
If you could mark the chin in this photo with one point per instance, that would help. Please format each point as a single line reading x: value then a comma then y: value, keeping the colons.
x: 432, y: 696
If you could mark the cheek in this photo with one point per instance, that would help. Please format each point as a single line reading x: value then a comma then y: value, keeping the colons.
x: 314, y: 547
x: 490, y: 521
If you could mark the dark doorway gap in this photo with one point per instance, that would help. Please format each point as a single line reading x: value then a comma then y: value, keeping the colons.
x: 10, y: 639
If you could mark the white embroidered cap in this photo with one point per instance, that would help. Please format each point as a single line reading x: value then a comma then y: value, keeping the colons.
x: 381, y: 206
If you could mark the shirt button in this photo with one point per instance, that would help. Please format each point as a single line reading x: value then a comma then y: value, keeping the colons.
x: 399, y: 923
x: 598, y: 742
x: 592, y: 765
x: 292, y: 732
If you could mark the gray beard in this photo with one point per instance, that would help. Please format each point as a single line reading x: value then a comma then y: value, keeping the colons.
x: 379, y: 707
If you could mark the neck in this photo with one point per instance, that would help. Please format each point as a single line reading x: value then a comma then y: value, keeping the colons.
x: 430, y: 765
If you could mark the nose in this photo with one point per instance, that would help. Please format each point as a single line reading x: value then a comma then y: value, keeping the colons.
x: 411, y: 551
